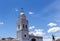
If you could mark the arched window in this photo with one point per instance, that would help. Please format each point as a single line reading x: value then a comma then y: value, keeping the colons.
x: 23, y: 25
x: 33, y: 39
x: 26, y: 26
x: 18, y: 26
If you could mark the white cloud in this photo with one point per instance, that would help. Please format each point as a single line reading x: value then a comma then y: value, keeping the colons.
x: 54, y: 29
x: 16, y: 9
x: 57, y: 38
x: 1, y: 23
x: 52, y: 24
x: 31, y: 27
x: 37, y: 32
x: 30, y: 12
x: 48, y: 39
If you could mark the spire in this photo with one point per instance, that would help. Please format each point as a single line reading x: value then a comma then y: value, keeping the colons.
x: 22, y: 11
x: 22, y: 14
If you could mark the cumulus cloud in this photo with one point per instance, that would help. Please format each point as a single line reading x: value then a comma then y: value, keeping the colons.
x: 1, y: 23
x: 54, y: 29
x: 31, y: 27
x: 37, y: 32
x: 52, y: 24
x: 30, y: 12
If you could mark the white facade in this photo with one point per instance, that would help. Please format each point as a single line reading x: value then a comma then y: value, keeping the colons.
x: 22, y: 30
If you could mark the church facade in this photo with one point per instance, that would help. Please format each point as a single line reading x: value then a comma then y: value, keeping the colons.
x: 22, y: 29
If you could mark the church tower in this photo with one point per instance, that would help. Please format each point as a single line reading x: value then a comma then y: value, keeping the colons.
x: 22, y: 27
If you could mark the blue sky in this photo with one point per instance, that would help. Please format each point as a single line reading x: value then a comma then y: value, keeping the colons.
x: 41, y: 14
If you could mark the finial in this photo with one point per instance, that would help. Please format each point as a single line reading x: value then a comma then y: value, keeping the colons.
x: 22, y: 11
x: 21, y: 8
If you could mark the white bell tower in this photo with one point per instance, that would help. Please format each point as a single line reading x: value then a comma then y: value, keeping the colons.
x: 22, y: 27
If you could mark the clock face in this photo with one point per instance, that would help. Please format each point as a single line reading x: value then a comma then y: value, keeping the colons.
x: 25, y: 36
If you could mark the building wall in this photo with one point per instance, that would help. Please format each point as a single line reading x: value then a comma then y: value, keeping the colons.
x: 58, y: 40
x: 37, y: 38
x: 8, y: 40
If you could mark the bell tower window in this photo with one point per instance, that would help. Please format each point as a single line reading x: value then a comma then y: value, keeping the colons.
x: 23, y: 25
x: 26, y: 26
x: 18, y: 26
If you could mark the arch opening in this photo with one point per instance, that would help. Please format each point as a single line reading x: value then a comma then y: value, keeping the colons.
x: 33, y: 39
